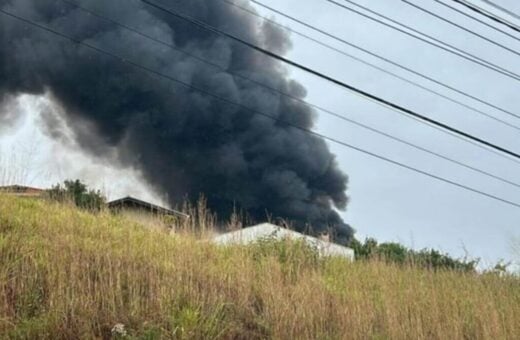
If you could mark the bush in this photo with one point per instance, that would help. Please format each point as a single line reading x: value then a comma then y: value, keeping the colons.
x: 79, y: 194
x: 397, y: 253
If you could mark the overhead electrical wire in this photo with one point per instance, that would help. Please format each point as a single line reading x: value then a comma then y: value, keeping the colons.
x: 503, y: 9
x: 512, y: 36
x: 488, y: 14
x: 326, y: 111
x: 343, y: 41
x: 426, y: 38
x: 381, y: 69
x: 350, y: 88
x: 125, y: 60
x: 454, y: 24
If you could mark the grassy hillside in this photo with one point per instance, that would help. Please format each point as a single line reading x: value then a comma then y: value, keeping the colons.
x: 66, y: 274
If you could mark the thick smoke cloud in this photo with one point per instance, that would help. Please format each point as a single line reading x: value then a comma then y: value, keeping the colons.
x: 184, y: 142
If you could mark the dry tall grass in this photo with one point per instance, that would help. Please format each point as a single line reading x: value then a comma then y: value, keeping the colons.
x: 66, y: 274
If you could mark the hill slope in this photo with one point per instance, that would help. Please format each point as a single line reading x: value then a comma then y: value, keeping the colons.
x: 66, y: 274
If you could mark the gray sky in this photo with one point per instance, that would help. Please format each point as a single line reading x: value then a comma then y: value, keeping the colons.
x: 387, y: 202
x: 395, y: 204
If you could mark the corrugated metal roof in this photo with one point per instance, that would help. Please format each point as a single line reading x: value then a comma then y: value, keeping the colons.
x: 21, y: 190
x: 267, y: 230
x: 131, y: 202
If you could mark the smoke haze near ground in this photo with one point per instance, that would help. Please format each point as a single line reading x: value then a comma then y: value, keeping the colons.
x: 183, y: 142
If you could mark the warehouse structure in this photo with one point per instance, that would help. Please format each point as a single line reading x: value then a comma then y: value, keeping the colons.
x: 270, y: 231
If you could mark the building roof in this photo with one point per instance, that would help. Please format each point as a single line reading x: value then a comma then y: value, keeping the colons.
x: 266, y: 230
x: 134, y: 203
x: 20, y: 190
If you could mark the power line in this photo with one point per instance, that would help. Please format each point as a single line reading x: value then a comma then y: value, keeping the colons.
x: 433, y: 41
x: 487, y: 14
x: 424, y: 10
x: 303, y: 23
x: 395, y: 75
x: 503, y: 9
x: 329, y: 112
x: 477, y: 20
x: 337, y: 82
x: 125, y: 60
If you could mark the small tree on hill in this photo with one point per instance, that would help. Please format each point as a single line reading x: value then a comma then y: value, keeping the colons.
x: 79, y: 194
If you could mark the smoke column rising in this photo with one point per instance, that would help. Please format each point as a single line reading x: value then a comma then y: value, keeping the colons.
x: 185, y: 143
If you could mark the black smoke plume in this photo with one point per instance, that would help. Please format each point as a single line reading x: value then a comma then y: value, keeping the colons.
x: 184, y: 142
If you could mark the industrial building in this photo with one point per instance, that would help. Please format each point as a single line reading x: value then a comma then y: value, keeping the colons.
x: 267, y: 231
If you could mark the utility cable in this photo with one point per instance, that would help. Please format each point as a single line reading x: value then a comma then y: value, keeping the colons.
x: 433, y: 41
x: 503, y: 9
x: 364, y: 94
x: 435, y: 15
x: 487, y: 14
x: 126, y: 61
x: 273, y: 90
x: 478, y: 20
x: 381, y: 69
x: 343, y: 41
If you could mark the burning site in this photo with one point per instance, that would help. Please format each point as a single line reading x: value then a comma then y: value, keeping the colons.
x: 185, y: 142
x: 192, y: 169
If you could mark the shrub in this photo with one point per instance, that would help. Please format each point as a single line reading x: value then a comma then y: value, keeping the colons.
x: 79, y: 194
x: 399, y: 254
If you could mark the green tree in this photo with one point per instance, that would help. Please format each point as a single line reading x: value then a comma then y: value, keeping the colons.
x: 78, y: 193
x: 397, y: 253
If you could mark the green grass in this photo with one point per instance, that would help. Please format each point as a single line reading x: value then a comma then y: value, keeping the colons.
x: 67, y: 274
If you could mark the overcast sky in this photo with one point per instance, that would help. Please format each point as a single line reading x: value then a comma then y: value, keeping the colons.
x: 387, y: 202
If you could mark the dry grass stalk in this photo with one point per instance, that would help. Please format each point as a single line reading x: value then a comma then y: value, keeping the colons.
x: 67, y: 274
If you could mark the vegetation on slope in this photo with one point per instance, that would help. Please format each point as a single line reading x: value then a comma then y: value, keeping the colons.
x: 76, y: 192
x: 426, y: 258
x: 67, y: 274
